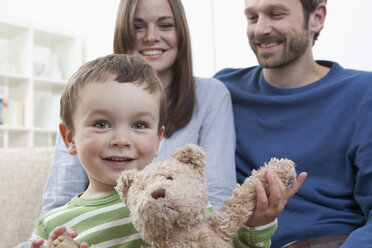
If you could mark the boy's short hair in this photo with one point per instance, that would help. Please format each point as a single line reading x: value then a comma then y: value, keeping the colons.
x: 118, y: 67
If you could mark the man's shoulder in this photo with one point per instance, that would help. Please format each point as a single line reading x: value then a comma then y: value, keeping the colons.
x: 346, y: 73
x: 236, y: 74
x: 354, y: 81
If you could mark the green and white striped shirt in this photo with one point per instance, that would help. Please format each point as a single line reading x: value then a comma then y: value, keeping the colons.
x: 105, y: 222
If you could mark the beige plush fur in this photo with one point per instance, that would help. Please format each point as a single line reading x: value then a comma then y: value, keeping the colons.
x: 168, y: 200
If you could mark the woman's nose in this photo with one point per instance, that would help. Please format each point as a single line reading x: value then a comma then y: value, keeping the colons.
x: 152, y: 34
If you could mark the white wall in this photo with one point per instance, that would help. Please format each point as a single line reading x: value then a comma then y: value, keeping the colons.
x: 347, y: 34
x: 217, y: 29
x: 345, y: 38
x: 93, y: 20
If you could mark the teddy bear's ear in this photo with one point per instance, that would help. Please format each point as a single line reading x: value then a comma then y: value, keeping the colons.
x: 191, y: 155
x: 124, y: 182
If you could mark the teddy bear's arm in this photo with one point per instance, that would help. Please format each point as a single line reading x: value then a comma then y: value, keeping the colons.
x: 239, y: 207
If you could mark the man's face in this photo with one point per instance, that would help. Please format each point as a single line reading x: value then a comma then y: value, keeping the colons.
x: 276, y: 31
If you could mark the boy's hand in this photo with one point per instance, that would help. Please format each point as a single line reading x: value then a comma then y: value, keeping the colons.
x: 58, y: 231
x: 268, y: 208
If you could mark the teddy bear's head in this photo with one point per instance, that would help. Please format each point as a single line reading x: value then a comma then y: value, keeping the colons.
x: 166, y: 195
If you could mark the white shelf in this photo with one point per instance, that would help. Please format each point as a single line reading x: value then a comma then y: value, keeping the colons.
x: 35, y: 64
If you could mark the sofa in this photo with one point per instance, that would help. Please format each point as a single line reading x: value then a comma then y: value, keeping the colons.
x: 23, y: 174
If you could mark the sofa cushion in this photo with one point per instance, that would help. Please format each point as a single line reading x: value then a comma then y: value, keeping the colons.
x: 23, y: 174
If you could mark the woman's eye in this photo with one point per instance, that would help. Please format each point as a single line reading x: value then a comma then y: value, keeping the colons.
x: 139, y: 125
x: 170, y: 178
x: 102, y: 124
x: 166, y: 25
x: 138, y: 26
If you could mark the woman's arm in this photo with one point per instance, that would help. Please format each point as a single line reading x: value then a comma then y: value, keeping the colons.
x: 66, y: 178
x: 217, y: 137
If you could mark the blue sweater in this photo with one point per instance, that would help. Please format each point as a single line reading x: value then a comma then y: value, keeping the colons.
x: 326, y: 128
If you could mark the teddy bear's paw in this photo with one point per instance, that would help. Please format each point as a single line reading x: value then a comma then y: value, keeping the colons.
x: 64, y: 241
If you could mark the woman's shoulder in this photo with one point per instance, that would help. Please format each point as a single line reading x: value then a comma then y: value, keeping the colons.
x: 211, y: 93
x: 209, y: 86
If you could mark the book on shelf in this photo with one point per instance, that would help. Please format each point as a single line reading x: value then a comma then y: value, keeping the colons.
x: 1, y: 111
x: 11, y: 113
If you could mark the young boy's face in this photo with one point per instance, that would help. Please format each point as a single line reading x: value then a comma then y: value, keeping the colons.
x: 115, y: 129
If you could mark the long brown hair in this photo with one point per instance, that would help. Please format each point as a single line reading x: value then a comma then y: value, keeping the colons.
x: 181, y: 96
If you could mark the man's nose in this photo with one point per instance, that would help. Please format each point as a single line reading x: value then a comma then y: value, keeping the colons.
x: 262, y: 26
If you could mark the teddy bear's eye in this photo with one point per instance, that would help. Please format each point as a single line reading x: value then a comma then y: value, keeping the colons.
x: 170, y: 178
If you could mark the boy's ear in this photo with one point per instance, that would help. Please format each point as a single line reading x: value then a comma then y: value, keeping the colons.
x: 68, y: 138
x: 160, y: 136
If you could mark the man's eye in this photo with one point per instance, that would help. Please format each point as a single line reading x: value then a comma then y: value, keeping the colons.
x: 277, y: 15
x: 139, y: 125
x: 251, y: 18
x: 102, y: 124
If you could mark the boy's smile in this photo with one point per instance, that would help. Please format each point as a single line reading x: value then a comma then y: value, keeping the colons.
x: 116, y: 128
x: 119, y: 161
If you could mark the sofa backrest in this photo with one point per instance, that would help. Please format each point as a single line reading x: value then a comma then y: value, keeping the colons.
x: 23, y: 174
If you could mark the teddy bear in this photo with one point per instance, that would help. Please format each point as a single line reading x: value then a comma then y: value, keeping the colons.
x: 168, y: 199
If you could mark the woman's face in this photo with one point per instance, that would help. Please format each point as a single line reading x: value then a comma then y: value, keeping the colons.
x: 156, y: 35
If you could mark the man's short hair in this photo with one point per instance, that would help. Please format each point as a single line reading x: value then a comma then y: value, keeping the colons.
x: 309, y: 6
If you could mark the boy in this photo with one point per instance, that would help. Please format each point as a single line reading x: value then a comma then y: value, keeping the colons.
x: 113, y: 112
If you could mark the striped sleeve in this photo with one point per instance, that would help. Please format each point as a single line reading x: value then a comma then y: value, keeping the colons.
x: 255, y: 237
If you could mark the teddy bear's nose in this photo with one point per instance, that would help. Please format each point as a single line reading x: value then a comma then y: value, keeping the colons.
x: 159, y: 193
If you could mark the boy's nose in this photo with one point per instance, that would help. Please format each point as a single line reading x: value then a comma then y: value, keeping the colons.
x: 120, y: 140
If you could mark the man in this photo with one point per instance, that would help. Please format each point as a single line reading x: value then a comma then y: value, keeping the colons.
x: 313, y: 112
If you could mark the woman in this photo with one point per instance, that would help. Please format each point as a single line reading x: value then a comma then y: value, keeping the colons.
x: 199, y: 110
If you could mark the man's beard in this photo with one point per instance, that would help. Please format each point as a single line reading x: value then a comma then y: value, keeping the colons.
x: 294, y: 48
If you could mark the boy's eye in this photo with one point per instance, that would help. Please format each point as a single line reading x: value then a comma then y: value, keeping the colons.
x: 170, y: 178
x: 140, y: 125
x: 102, y: 124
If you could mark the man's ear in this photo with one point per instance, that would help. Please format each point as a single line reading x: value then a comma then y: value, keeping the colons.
x: 160, y: 136
x: 68, y: 138
x: 317, y: 18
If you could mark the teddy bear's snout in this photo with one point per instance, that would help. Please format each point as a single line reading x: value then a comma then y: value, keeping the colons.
x: 159, y: 193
